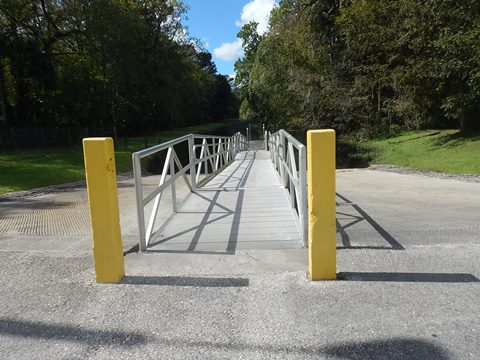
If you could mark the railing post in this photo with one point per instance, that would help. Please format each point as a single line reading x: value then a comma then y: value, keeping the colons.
x: 265, y: 138
x: 191, y: 159
x: 321, y: 204
x: 302, y: 206
x: 104, y: 213
x: 137, y: 176
x: 172, y: 175
x: 282, y: 160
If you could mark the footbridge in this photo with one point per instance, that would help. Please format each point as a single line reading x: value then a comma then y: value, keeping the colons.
x: 243, y: 194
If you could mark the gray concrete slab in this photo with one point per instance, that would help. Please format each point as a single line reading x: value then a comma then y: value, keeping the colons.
x: 250, y: 305
x: 385, y: 209
x: 411, y: 288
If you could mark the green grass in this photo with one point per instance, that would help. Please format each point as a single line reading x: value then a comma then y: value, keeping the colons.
x: 30, y: 169
x: 446, y: 151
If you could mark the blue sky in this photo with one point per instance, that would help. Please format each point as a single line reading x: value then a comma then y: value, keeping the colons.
x: 217, y: 22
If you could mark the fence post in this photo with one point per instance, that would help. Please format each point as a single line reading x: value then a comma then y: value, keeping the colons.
x: 321, y: 204
x: 104, y: 213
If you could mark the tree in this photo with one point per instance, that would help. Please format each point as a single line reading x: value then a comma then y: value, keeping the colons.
x: 364, y: 66
x: 121, y: 63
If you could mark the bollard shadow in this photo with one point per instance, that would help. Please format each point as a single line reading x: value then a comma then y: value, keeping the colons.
x: 408, y: 277
x: 393, y: 244
x: 71, y: 333
x: 187, y: 281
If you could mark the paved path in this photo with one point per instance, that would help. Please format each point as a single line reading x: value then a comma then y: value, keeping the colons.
x: 408, y: 247
x: 385, y: 210
x: 244, y: 207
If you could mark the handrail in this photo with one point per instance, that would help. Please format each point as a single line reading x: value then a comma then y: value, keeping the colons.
x: 285, y: 152
x: 216, y: 151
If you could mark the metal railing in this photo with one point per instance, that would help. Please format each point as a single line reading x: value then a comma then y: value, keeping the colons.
x: 289, y: 158
x: 209, y: 154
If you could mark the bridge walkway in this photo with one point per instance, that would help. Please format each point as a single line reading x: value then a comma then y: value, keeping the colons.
x: 244, y: 207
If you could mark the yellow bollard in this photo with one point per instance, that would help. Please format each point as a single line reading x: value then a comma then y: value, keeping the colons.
x: 104, y: 214
x: 322, y: 247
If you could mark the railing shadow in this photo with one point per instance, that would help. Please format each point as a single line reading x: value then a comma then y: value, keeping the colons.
x: 206, y: 219
x: 363, y: 216
x: 203, y: 222
x: 236, y: 182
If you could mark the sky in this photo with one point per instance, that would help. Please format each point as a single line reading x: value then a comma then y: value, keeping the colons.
x: 216, y: 24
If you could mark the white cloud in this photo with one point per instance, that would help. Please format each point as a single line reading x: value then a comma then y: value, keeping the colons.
x: 255, y: 10
x: 229, y: 51
x: 258, y: 11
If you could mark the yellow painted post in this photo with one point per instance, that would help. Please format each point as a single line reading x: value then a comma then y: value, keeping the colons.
x: 104, y: 214
x: 322, y: 247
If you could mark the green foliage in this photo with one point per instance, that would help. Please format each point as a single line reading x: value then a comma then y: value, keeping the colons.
x: 371, y: 67
x: 122, y: 63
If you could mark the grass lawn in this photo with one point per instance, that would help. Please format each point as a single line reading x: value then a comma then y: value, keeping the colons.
x: 438, y: 150
x: 30, y: 169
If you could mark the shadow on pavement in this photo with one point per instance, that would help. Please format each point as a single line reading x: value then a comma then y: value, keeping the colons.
x: 185, y: 281
x: 394, y: 244
x: 207, y: 218
x: 394, y: 349
x: 72, y: 333
x: 407, y: 277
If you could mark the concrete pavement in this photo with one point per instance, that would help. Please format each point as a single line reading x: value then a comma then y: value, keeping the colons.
x: 408, y: 251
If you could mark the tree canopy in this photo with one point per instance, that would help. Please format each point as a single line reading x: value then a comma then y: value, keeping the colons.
x: 373, y: 67
x: 123, y: 63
